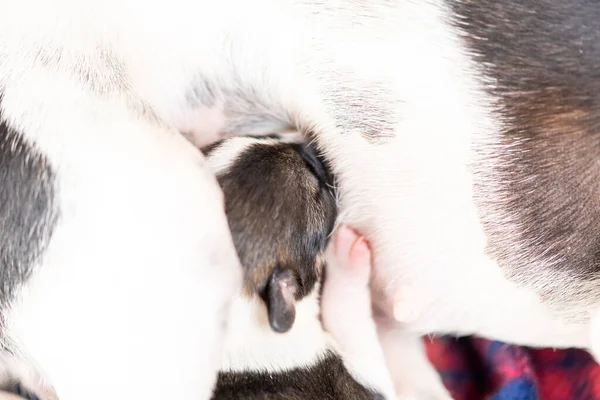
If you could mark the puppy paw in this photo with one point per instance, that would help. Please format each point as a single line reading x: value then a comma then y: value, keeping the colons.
x: 346, y: 286
x: 346, y: 310
x: 349, y: 258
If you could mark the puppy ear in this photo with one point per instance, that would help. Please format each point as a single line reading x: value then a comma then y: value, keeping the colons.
x: 281, y: 300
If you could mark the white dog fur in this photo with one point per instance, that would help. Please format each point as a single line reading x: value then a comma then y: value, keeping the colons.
x: 128, y: 298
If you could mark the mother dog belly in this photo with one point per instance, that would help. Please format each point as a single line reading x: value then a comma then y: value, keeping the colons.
x: 422, y: 197
x: 420, y: 131
x: 430, y: 246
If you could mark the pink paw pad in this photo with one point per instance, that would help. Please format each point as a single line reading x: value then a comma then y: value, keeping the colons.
x: 349, y: 257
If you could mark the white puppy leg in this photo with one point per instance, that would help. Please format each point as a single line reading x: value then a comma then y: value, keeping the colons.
x: 131, y: 297
x: 346, y: 310
x: 347, y: 315
x: 413, y: 375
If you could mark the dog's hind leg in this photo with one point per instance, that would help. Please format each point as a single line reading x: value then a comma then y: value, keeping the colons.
x: 129, y: 297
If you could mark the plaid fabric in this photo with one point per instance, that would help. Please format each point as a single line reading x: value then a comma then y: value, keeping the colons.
x: 477, y: 369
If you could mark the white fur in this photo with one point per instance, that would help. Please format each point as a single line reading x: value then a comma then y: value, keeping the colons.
x: 252, y: 345
x: 202, y: 126
x: 347, y: 314
x: 141, y: 239
x: 595, y: 335
x: 138, y: 203
x: 413, y: 197
x: 223, y: 156
x: 413, y: 376
x: 142, y: 236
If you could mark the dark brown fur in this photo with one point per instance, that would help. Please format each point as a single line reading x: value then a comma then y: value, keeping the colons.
x: 538, y: 183
x: 281, y: 209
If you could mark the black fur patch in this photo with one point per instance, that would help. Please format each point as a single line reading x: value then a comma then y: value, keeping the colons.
x: 28, y: 211
x: 538, y: 185
x: 327, y: 379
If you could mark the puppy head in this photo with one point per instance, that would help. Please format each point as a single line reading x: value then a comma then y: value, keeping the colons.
x: 281, y: 210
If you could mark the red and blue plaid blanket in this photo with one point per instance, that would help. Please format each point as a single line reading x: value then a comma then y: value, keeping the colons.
x: 477, y: 369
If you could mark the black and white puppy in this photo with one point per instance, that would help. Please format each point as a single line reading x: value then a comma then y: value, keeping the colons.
x: 463, y: 136
x: 281, y: 210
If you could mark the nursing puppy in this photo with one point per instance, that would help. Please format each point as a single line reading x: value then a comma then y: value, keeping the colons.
x: 281, y: 209
x: 463, y: 135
